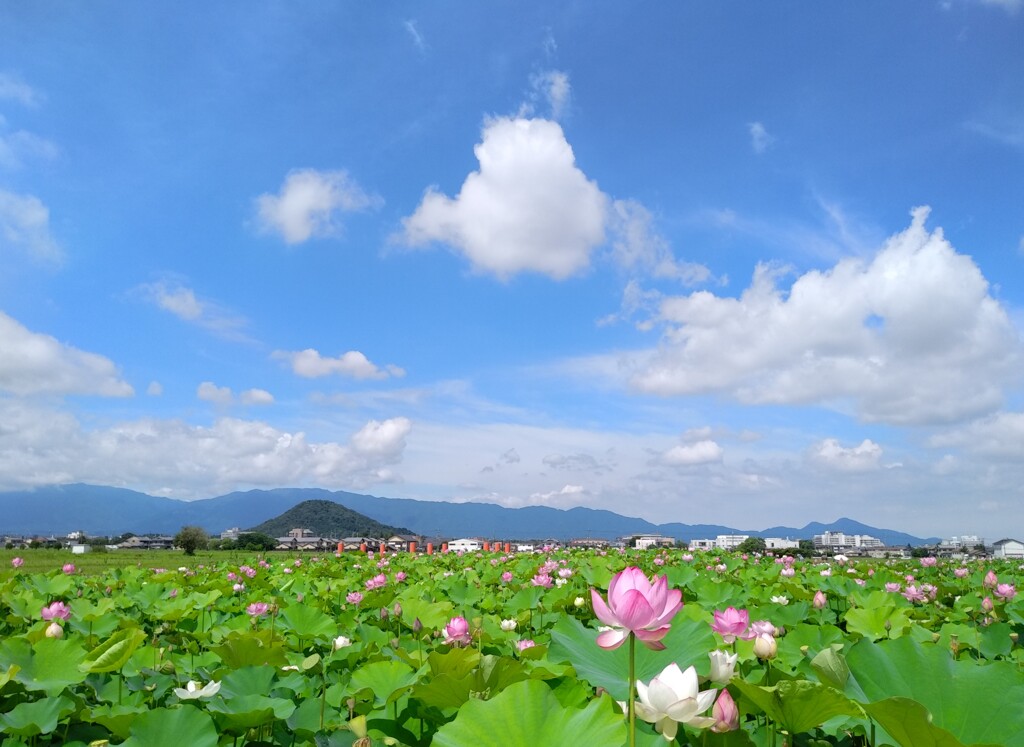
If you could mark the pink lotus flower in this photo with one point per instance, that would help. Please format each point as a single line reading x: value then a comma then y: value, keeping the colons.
x: 1006, y: 591
x: 788, y: 572
x: 731, y: 624
x: 892, y: 588
x: 400, y: 576
x: 257, y: 609
x: 54, y: 611
x: 913, y: 594
x: 506, y: 577
x: 68, y: 568
x: 17, y: 562
x: 542, y: 579
x: 928, y: 562
x: 636, y: 606
x: 354, y: 597
x: 960, y: 572
x: 820, y: 600
x: 457, y: 631
x: 990, y: 580
x: 725, y: 713
x: 525, y: 644
x: 761, y: 627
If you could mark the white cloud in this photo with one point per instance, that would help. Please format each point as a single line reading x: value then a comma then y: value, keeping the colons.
x: 25, y: 225
x: 44, y: 447
x: 155, y: 389
x: 637, y: 246
x: 1010, y: 6
x: 218, y: 395
x: 999, y: 436
x: 568, y: 495
x: 911, y: 336
x: 12, y: 88
x: 173, y: 296
x: 688, y: 455
x: 529, y: 207
x: 354, y: 364
x: 861, y: 458
x: 17, y: 147
x: 760, y: 139
x: 554, y: 88
x: 256, y: 397
x: 33, y: 363
x: 309, y: 204
x: 415, y: 35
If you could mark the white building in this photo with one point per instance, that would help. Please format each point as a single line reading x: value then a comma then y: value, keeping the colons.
x: 702, y: 544
x: 463, y: 545
x: 1008, y: 548
x: 647, y: 541
x: 774, y: 543
x: 839, y: 540
x: 730, y: 541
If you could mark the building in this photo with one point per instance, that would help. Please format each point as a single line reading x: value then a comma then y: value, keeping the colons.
x: 306, y: 542
x: 647, y: 541
x: 160, y: 542
x: 707, y: 545
x: 1008, y: 548
x: 464, y: 545
x: 835, y: 541
x: 775, y: 543
x: 402, y: 542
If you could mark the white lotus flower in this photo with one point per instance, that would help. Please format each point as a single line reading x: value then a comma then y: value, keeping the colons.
x: 673, y: 698
x: 341, y: 642
x: 508, y: 625
x: 723, y: 666
x: 191, y: 691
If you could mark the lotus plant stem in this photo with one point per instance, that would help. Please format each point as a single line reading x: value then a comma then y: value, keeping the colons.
x: 632, y: 689
x: 323, y: 694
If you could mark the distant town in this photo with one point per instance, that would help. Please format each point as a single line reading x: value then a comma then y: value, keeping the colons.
x: 304, y: 540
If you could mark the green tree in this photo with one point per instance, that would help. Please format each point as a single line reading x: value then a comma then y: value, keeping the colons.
x: 255, y: 541
x: 751, y: 544
x: 191, y: 538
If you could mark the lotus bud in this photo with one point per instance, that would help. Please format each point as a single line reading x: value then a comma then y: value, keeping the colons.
x: 986, y: 604
x: 765, y: 646
x: 383, y: 613
x: 397, y: 610
x: 820, y: 601
x: 579, y: 602
x: 1014, y: 637
x: 54, y: 630
x: 417, y: 626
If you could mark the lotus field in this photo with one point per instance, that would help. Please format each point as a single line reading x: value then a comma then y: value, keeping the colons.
x: 556, y: 648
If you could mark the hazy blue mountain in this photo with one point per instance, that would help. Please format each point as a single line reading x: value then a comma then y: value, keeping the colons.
x: 100, y: 510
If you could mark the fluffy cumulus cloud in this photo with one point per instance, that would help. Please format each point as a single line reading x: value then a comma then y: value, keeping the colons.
x: 310, y: 364
x: 528, y: 207
x: 43, y: 446
x: 256, y: 397
x: 218, y: 395
x: 310, y: 203
x: 33, y: 363
x: 911, y: 336
x: 25, y: 227
x: 688, y: 455
x: 861, y: 458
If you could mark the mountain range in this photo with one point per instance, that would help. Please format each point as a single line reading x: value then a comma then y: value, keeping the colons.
x: 108, y: 511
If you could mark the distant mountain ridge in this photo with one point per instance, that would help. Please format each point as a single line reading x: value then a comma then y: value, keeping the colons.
x: 100, y: 510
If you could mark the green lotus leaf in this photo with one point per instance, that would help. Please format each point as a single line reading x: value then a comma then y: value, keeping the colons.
x: 878, y: 622
x: 117, y: 718
x: 37, y: 716
x: 247, y: 711
x: 306, y: 621
x: 244, y: 649
x: 51, y: 586
x: 114, y: 652
x: 799, y: 705
x: 528, y: 713
x: 173, y: 727
x: 687, y: 643
x: 250, y: 680
x: 909, y: 723
x: 50, y: 665
x: 386, y: 679
x: 977, y: 704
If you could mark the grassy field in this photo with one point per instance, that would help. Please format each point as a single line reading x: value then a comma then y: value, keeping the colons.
x: 43, y: 561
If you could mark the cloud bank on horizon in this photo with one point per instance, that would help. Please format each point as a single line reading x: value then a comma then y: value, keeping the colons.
x: 451, y: 255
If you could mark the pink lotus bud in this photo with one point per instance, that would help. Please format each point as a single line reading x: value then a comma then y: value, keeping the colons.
x: 990, y: 580
x: 820, y: 601
x: 17, y: 562
x: 725, y: 713
x: 986, y: 604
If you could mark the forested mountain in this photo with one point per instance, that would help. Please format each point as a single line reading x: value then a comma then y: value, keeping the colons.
x: 327, y: 519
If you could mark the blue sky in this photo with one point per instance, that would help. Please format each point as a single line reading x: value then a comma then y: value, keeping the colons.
x: 705, y: 262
